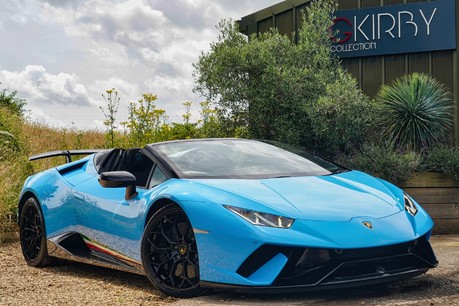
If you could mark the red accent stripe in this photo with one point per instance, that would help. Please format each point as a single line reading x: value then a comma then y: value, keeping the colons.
x: 95, y: 247
x: 91, y: 246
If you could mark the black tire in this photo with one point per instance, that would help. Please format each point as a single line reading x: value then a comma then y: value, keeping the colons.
x: 32, y: 234
x: 169, y: 253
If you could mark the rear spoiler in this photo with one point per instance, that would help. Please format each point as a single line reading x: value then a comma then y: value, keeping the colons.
x: 67, y: 153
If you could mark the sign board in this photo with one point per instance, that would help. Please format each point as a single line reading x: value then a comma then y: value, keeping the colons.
x: 394, y: 29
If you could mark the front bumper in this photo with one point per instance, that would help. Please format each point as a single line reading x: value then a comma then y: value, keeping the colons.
x: 313, y: 268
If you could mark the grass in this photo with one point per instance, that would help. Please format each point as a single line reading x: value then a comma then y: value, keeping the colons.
x: 14, y: 168
x: 39, y: 138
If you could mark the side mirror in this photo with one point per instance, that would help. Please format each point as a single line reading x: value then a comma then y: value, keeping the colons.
x: 118, y: 179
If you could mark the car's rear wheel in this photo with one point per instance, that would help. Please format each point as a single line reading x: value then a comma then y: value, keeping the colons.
x: 32, y: 234
x: 169, y: 253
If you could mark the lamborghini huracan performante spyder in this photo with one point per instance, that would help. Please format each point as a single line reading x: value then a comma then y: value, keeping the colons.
x: 231, y: 214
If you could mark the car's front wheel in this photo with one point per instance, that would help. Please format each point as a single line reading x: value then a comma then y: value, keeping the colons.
x: 32, y: 234
x: 169, y: 253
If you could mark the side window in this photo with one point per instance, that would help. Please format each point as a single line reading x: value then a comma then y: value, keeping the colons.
x: 157, y: 178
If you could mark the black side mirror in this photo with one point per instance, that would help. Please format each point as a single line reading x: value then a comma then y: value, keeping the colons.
x: 118, y: 179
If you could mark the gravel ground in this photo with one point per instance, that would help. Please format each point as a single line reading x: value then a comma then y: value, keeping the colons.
x: 71, y: 283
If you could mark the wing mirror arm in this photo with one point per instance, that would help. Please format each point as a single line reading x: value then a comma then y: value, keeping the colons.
x: 131, y: 192
x: 118, y: 179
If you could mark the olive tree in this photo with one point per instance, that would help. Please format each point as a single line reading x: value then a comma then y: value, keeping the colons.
x: 282, y: 90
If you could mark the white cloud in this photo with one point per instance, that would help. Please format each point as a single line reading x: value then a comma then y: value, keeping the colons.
x: 187, y: 14
x: 63, y: 54
x: 129, y: 23
x: 56, y: 99
x: 40, y: 87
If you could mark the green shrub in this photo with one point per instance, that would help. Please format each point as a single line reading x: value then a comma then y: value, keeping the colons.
x: 383, y: 162
x: 10, y: 101
x: 146, y: 123
x: 444, y: 160
x: 416, y: 112
x: 341, y: 117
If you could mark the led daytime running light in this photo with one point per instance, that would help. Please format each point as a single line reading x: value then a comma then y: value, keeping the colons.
x: 261, y: 218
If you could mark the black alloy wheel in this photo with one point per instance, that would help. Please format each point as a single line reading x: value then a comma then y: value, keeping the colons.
x: 32, y: 234
x: 169, y: 253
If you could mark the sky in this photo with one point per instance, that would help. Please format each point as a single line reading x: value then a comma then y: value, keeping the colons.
x: 62, y: 55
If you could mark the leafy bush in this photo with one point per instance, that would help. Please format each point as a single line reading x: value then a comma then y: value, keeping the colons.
x: 444, y: 160
x: 146, y: 122
x: 10, y: 101
x: 416, y: 112
x: 383, y: 162
x: 341, y: 117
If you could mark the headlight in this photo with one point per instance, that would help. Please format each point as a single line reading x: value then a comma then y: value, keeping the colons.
x: 410, y: 207
x: 262, y: 219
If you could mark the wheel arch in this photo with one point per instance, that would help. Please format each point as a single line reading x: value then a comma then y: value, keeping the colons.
x: 157, y: 205
x: 27, y: 195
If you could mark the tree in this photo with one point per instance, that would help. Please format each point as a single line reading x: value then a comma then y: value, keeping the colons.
x: 112, y: 102
x: 296, y: 93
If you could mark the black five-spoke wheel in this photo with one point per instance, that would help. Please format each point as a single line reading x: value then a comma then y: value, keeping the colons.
x: 32, y: 234
x: 169, y: 253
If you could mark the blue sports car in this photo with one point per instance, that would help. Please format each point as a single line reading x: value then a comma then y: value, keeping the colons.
x: 230, y: 214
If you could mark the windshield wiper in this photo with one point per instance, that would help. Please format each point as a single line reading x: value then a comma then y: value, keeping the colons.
x: 281, y: 176
x: 337, y: 171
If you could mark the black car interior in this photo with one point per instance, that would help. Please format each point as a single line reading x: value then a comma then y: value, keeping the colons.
x: 130, y: 160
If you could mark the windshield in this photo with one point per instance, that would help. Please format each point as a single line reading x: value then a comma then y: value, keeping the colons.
x: 239, y: 158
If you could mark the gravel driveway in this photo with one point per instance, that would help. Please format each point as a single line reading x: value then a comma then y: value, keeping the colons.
x: 78, y: 284
x: 70, y: 283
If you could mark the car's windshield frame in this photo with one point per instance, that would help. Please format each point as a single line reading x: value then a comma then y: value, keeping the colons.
x: 175, y: 161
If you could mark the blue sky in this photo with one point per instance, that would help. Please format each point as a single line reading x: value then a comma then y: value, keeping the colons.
x: 61, y: 55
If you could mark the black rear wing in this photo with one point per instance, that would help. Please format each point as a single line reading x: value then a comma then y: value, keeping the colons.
x: 67, y: 153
